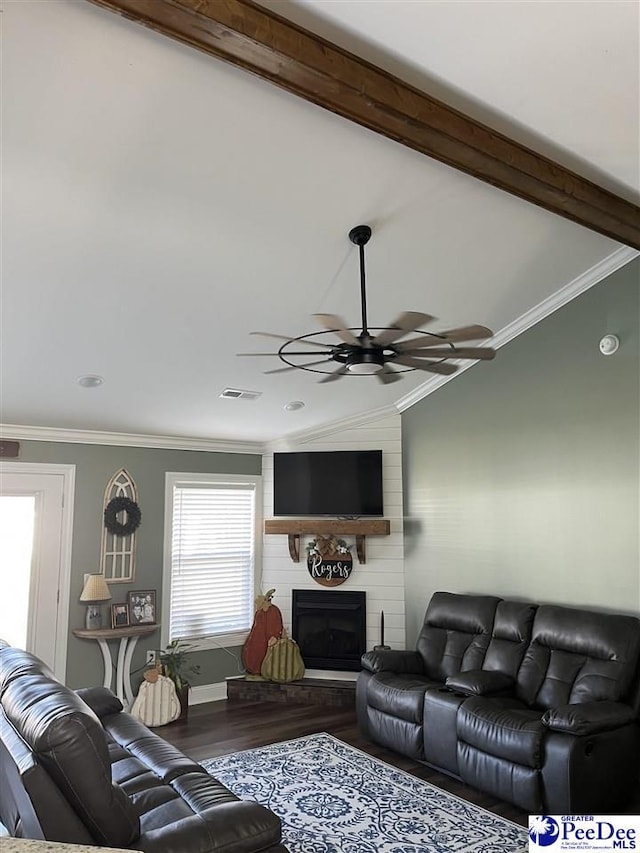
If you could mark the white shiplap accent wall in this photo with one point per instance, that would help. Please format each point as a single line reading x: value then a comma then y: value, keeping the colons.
x: 382, y: 576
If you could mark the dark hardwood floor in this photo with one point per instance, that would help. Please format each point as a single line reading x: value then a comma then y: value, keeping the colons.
x: 218, y: 728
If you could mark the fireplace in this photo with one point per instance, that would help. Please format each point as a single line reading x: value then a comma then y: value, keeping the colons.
x: 330, y: 628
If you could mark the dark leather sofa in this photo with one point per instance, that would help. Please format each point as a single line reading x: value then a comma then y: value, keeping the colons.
x: 537, y: 705
x: 75, y: 767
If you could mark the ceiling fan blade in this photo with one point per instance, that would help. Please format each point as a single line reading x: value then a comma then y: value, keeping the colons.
x: 306, y: 353
x: 337, y: 325
x: 464, y: 333
x: 484, y: 353
x: 431, y: 366
x: 387, y: 376
x: 408, y: 321
x: 292, y: 340
x: 467, y: 333
x: 331, y: 377
x: 297, y: 366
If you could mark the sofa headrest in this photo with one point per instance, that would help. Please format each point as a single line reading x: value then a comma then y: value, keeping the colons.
x: 578, y: 656
x: 455, y: 634
x: 14, y: 663
x: 514, y: 621
x: 102, y: 701
x: 34, y: 702
x: 510, y: 637
x: 603, y: 636
x: 469, y: 614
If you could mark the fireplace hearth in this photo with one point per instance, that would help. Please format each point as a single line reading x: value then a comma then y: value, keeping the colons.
x: 330, y: 628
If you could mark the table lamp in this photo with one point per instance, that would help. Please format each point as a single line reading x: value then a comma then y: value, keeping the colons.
x: 95, y: 591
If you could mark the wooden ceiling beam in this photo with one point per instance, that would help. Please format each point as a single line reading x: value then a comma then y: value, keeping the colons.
x: 253, y: 38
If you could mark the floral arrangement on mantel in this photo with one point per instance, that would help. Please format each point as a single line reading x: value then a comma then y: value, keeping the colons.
x: 329, y: 547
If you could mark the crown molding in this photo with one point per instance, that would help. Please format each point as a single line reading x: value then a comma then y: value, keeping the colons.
x: 582, y: 283
x: 125, y: 439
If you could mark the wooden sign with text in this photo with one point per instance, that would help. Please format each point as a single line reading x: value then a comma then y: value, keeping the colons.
x: 329, y: 560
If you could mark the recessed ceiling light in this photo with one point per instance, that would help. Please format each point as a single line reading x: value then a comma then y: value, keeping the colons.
x: 293, y: 406
x: 90, y: 380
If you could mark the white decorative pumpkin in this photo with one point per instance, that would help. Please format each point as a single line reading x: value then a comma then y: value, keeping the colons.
x: 157, y: 702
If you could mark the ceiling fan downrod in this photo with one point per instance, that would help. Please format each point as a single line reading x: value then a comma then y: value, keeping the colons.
x: 360, y: 236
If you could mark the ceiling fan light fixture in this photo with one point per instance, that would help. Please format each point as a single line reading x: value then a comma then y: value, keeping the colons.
x: 365, y: 363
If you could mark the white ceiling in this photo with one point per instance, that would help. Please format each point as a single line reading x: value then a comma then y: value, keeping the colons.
x: 159, y: 205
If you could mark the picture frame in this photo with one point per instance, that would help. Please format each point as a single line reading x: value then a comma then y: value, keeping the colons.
x: 120, y: 616
x: 142, y: 606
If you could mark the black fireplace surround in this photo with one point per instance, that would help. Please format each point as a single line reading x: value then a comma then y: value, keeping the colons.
x: 330, y: 628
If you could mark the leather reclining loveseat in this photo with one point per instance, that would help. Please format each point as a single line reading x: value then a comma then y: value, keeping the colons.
x: 74, y: 767
x: 537, y: 705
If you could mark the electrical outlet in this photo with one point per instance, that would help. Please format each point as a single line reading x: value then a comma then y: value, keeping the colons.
x: 151, y: 656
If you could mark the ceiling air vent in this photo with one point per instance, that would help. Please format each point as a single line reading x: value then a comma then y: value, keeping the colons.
x: 239, y: 394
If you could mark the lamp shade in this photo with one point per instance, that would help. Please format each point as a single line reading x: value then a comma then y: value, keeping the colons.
x: 95, y: 589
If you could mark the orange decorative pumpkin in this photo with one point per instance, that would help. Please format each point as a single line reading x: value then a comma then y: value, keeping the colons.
x: 267, y: 623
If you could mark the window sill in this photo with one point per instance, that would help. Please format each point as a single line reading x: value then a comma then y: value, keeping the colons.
x: 219, y: 641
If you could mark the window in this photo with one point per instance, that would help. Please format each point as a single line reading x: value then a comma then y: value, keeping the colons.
x: 211, y: 538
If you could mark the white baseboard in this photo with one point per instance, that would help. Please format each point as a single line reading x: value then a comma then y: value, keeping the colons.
x: 208, y: 693
x: 331, y: 674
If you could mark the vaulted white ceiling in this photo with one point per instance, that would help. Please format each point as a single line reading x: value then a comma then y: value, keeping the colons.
x: 159, y: 205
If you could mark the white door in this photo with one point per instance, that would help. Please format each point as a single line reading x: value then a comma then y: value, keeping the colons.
x: 36, y: 508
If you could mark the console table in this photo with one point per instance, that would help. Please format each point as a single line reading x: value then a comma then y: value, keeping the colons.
x: 128, y: 637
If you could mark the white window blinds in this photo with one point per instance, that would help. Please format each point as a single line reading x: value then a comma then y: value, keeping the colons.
x: 212, y: 559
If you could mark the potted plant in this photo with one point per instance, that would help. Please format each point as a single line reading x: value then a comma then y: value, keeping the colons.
x: 175, y: 665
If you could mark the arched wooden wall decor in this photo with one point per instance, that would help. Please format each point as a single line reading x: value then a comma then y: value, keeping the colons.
x: 118, y: 552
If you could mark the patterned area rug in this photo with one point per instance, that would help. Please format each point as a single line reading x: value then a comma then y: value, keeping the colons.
x: 333, y: 798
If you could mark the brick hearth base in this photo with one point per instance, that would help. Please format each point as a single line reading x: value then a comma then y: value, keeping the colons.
x: 306, y: 691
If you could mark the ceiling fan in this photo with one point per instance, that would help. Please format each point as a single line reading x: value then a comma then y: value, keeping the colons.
x: 377, y: 350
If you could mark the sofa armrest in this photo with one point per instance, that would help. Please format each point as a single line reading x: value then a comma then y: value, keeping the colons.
x: 588, y: 718
x: 392, y: 660
x: 101, y: 700
x: 241, y: 826
x: 480, y: 682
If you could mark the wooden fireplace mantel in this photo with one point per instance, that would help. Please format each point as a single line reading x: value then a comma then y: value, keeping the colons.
x: 295, y: 527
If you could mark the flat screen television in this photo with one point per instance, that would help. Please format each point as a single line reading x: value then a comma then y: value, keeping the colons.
x: 334, y: 483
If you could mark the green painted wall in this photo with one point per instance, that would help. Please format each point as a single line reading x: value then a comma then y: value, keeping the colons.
x: 95, y: 465
x: 521, y: 476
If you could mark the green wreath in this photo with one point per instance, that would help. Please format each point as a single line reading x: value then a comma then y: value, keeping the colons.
x: 134, y: 516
